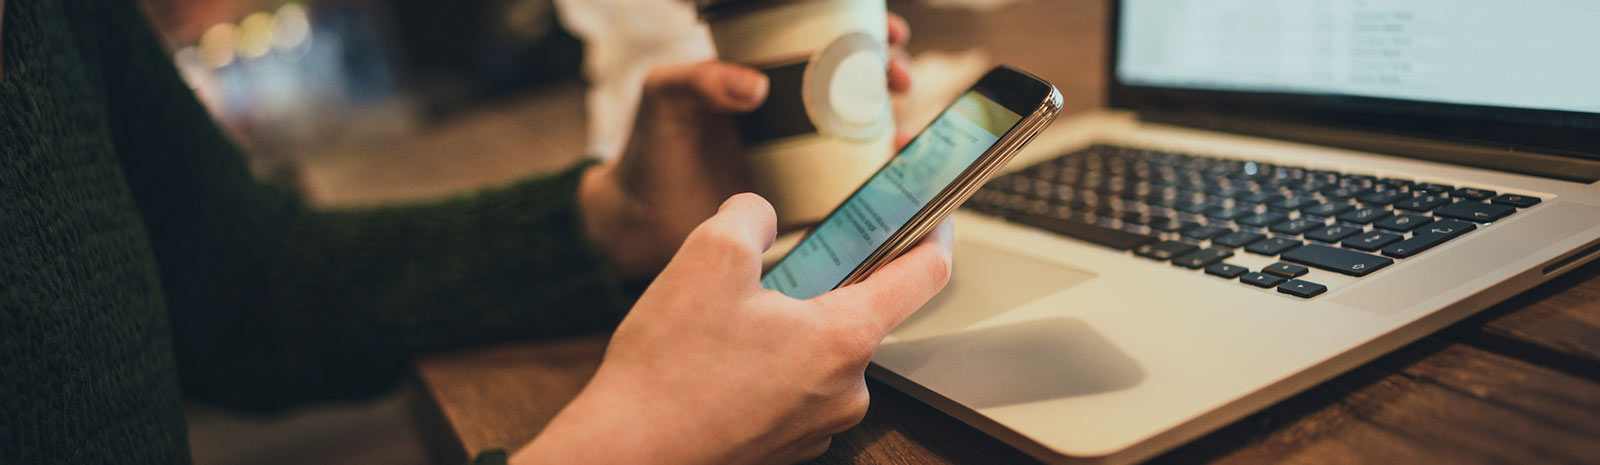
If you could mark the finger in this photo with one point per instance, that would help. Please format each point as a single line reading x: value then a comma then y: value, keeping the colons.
x: 899, y: 73
x: 901, y: 138
x: 743, y: 227
x: 898, y: 289
x: 751, y: 217
x: 722, y: 87
x: 899, y: 31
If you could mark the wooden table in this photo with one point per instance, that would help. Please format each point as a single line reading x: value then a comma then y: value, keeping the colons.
x: 1518, y: 383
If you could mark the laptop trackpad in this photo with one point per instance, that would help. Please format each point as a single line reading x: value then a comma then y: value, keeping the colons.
x: 1019, y: 363
x: 987, y: 281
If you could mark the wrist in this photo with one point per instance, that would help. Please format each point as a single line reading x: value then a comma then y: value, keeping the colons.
x: 607, y: 426
x: 609, y: 218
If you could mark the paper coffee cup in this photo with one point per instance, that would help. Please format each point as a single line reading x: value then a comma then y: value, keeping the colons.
x: 827, y: 123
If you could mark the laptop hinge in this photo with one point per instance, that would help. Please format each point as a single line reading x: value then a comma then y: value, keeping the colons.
x: 1567, y: 168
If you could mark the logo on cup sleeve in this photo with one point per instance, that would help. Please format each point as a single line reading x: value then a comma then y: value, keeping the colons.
x: 845, y: 88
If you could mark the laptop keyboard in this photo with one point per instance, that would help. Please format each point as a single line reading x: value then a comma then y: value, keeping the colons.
x: 1197, y: 212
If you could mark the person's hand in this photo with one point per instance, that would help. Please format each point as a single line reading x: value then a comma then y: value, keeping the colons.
x: 684, y: 157
x: 709, y: 368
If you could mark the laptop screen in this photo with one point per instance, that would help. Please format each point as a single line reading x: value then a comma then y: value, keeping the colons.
x: 1530, y: 63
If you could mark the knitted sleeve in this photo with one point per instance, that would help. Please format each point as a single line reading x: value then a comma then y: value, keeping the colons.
x: 274, y: 304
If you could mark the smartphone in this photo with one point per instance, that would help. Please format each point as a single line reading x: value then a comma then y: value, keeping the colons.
x: 917, y: 188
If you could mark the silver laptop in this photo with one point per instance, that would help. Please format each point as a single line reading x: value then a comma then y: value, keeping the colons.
x: 1282, y: 192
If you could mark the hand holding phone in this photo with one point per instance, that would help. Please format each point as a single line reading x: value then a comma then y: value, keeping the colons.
x: 970, y: 140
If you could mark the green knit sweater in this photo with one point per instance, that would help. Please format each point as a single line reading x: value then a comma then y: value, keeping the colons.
x: 141, y: 263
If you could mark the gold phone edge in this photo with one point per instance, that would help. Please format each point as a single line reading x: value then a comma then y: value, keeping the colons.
x: 1002, y: 153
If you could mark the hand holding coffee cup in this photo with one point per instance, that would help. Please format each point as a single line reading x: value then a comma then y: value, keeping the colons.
x: 684, y: 158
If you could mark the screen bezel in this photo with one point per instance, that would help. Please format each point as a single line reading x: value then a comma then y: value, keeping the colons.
x: 1016, y: 91
x: 1561, y: 133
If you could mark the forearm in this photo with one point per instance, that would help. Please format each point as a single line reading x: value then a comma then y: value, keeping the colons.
x: 508, y: 256
x: 609, y: 424
x: 347, y: 297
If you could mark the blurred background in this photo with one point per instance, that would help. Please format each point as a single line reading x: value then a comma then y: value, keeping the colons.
x: 358, y: 102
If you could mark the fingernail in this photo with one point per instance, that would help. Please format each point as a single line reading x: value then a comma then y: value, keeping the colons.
x: 750, y: 86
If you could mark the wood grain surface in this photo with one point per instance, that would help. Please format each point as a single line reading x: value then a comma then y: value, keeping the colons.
x: 1517, y: 383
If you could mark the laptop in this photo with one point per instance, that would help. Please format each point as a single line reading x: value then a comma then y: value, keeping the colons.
x: 1279, y: 193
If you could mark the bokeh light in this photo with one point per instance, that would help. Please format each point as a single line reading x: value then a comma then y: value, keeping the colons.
x: 255, y: 35
x: 290, y: 27
x: 217, y: 45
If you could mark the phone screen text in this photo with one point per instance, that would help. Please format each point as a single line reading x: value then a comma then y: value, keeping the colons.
x: 891, y: 197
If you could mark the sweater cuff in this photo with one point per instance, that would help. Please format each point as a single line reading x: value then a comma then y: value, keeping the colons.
x: 618, y: 291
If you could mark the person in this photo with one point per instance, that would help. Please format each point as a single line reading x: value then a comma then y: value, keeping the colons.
x: 142, y: 264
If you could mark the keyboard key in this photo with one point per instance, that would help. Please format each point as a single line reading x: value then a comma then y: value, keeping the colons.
x: 1309, y: 186
x: 1161, y: 200
x: 1396, y: 183
x: 1067, y: 213
x: 1387, y: 197
x: 1361, y: 179
x: 1262, y: 280
x: 1371, y: 241
x: 1272, y: 246
x: 1237, y: 239
x: 1365, y: 215
x: 1287, y: 270
x: 1302, y: 289
x: 1448, y: 228
x: 1471, y: 193
x: 1260, y: 198
x: 1325, y: 175
x: 1197, y: 208
x: 1328, y: 209
x: 1165, y: 250
x: 1403, y: 223
x: 1432, y: 188
x: 1344, y: 192
x: 1334, y: 233
x: 1228, y: 214
x: 1226, y: 192
x: 1422, y: 203
x: 1206, y: 232
x: 1428, y: 237
x: 1336, y: 260
x: 1164, y: 224
x: 1295, y: 226
x: 1263, y: 219
x: 1519, y: 201
x: 1225, y: 270
x: 1109, y: 237
x: 1202, y: 258
x: 1293, y: 203
x: 1475, y: 211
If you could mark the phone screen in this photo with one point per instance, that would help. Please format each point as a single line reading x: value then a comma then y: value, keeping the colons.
x: 891, y: 197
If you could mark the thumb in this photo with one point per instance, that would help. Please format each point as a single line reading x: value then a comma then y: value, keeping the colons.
x: 722, y: 87
x: 730, y: 241
x: 897, y: 290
